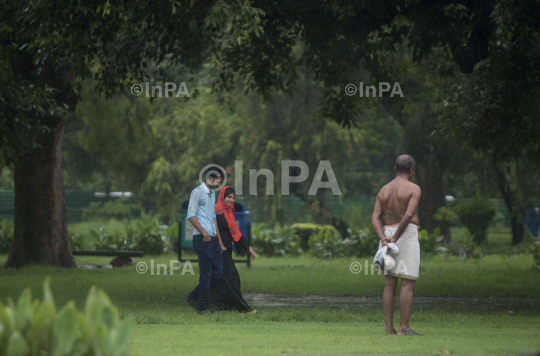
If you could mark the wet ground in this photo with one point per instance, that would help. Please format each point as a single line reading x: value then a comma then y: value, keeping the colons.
x: 509, y: 304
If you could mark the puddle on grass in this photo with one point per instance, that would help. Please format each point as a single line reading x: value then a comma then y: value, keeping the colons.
x: 350, y: 302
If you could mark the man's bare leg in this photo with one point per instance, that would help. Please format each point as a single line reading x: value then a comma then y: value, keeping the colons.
x: 405, y: 304
x: 390, y: 284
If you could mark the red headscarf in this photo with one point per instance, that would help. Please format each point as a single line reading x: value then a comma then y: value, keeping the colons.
x: 227, y: 211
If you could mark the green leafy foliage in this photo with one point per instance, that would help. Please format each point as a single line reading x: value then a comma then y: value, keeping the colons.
x: 494, y: 109
x: 307, y: 230
x: 35, y: 328
x: 428, y: 242
x: 172, y: 233
x: 476, y: 214
x: 465, y: 249
x: 322, y: 241
x: 151, y: 238
x: 76, y: 241
x: 328, y: 243
x: 445, y: 217
x: 238, y: 18
x: 6, y: 235
x: 276, y: 241
x: 534, y: 250
x: 120, y: 209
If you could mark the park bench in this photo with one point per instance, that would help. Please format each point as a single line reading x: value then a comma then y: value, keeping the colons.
x: 121, y: 257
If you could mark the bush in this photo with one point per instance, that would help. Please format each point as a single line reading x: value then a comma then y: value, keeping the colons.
x: 76, y: 241
x: 6, y: 236
x: 172, y: 233
x: 107, y: 241
x: 328, y: 243
x: 35, y: 328
x: 446, y: 219
x: 305, y: 231
x: 428, y: 243
x: 465, y: 249
x: 151, y: 238
x: 120, y: 209
x: 369, y: 241
x: 324, y: 241
x: 276, y: 241
x: 476, y: 214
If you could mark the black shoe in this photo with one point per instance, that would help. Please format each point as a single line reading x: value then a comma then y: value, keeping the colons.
x: 193, y: 304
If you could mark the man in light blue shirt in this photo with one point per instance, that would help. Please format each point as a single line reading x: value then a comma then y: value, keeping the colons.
x: 206, y: 240
x: 201, y: 206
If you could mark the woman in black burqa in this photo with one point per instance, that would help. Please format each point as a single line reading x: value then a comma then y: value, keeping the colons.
x: 226, y: 294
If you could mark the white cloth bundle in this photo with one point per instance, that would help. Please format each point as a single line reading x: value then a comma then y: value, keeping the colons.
x: 382, y: 260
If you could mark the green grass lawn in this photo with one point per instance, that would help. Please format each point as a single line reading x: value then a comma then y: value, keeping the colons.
x: 165, y: 325
x: 490, y: 276
x: 456, y: 334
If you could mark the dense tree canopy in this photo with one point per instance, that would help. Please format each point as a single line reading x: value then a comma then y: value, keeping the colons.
x: 260, y: 46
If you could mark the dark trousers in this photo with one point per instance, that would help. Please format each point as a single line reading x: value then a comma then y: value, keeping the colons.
x: 210, y: 269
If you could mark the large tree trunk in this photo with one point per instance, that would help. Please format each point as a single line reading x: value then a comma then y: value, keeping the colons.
x: 41, y: 234
x: 429, y: 178
x: 516, y: 216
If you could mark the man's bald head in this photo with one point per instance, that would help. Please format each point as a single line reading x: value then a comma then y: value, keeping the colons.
x: 404, y: 163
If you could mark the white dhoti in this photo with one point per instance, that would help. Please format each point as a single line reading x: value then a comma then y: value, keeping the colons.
x: 408, y: 258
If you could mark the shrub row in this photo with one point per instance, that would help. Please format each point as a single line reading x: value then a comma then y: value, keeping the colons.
x: 153, y: 239
x: 321, y: 241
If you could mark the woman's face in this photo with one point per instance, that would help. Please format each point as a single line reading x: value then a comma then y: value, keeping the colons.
x: 229, y: 199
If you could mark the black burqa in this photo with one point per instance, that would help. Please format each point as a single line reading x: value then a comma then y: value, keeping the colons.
x: 226, y: 294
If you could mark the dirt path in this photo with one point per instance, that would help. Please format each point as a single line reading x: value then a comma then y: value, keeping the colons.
x: 509, y: 304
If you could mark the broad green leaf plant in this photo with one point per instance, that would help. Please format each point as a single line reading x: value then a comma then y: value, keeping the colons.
x: 34, y: 327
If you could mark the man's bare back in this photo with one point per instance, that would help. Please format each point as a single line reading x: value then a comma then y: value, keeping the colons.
x: 394, y: 198
x: 397, y: 201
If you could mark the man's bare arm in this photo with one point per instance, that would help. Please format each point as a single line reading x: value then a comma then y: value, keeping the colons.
x: 376, y: 220
x: 412, y: 205
x: 195, y: 222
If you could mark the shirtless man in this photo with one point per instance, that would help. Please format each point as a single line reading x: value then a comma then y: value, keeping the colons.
x: 397, y: 202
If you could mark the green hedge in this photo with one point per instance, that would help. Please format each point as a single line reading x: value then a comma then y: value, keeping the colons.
x: 153, y: 239
x: 321, y: 241
x: 476, y: 214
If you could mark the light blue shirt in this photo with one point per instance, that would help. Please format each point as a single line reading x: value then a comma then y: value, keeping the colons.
x: 201, y: 205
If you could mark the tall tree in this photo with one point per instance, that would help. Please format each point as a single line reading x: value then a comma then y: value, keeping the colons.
x: 341, y: 37
x: 495, y: 111
x: 45, y: 46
